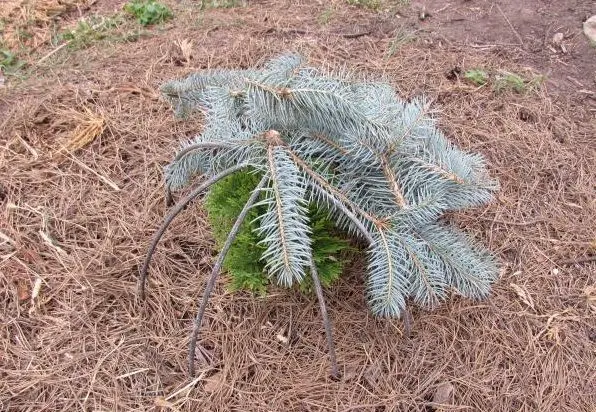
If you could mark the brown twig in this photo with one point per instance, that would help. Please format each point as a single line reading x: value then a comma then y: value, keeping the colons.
x: 579, y: 261
x: 328, y: 332
x: 356, y: 35
x: 51, y: 53
x: 170, y: 217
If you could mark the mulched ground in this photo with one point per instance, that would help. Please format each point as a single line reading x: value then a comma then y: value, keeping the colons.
x: 75, y: 227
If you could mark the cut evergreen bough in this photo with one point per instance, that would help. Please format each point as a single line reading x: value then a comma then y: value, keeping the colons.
x: 378, y: 164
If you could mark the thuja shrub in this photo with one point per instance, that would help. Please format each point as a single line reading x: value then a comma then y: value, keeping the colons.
x: 376, y: 164
x: 243, y: 263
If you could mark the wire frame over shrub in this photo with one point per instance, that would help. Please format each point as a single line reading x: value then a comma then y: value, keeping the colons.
x: 378, y: 164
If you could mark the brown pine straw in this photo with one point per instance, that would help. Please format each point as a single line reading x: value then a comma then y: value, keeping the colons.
x: 74, y: 337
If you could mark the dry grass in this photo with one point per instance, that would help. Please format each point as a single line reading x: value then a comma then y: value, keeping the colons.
x: 28, y: 23
x: 74, y: 337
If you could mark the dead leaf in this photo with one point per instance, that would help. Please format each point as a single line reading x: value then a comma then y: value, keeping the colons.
x: 185, y: 47
x: 553, y: 333
x: 162, y: 403
x: 443, y: 393
x: 206, y: 260
x: 552, y: 329
x: 560, y: 43
x: 213, y: 383
x: 590, y: 28
x: 282, y: 337
x: 523, y: 294
x: 35, y: 294
x: 22, y: 290
x: 36, y: 289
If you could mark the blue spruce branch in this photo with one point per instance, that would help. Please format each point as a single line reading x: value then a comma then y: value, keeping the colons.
x: 377, y: 163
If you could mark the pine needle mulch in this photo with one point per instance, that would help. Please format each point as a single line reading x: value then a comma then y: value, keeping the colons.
x: 75, y: 224
x: 30, y: 23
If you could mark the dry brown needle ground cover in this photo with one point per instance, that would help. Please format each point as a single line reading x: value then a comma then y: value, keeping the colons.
x: 84, y: 136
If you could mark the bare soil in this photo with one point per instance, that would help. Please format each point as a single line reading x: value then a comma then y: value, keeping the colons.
x: 525, y: 30
x: 74, y: 226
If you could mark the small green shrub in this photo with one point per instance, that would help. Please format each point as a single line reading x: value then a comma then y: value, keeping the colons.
x: 477, y: 76
x: 148, y: 12
x: 329, y: 250
x: 243, y: 261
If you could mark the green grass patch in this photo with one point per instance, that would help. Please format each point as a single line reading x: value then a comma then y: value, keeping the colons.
x: 9, y: 62
x: 148, y: 12
x: 8, y: 59
x: 515, y: 83
x: 221, y: 4
x: 477, y: 76
x: 368, y: 4
x: 93, y: 29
